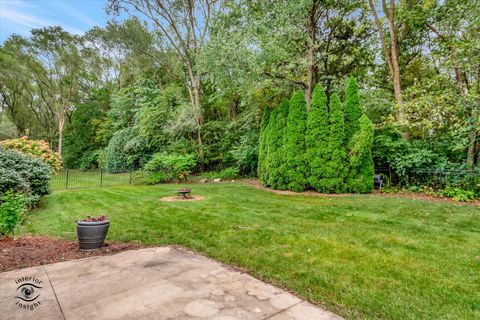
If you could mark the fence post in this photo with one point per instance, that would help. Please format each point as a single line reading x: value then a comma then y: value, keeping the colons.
x: 66, y: 181
x: 101, y: 178
x: 130, y: 178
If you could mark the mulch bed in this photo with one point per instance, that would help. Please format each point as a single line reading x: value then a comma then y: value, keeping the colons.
x: 36, y: 251
x: 180, y: 199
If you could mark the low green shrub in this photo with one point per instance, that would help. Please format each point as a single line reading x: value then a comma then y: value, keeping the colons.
x: 228, y: 173
x: 25, y: 174
x: 13, y: 207
x: 174, y: 165
x: 458, y: 194
x: 157, y: 177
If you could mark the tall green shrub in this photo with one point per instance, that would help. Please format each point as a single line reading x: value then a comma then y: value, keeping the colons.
x: 360, y: 178
x: 295, y: 143
x: 353, y: 111
x: 336, y: 166
x: 262, y: 146
x: 277, y: 168
x: 265, y: 173
x: 317, y: 138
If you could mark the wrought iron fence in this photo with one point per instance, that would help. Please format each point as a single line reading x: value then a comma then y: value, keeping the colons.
x: 435, y: 179
x: 67, y: 179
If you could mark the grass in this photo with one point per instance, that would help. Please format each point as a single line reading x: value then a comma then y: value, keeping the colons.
x: 365, y: 257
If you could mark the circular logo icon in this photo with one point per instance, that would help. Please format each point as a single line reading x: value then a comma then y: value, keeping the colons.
x: 27, y: 292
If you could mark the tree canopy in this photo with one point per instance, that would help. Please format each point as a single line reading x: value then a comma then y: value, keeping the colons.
x: 196, y: 77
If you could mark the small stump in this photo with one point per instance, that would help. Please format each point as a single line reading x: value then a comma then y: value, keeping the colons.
x: 184, y: 193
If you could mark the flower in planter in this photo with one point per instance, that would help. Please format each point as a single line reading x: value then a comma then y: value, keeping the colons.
x: 95, y: 219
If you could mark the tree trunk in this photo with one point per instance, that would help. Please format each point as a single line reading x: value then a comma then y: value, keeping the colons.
x: 198, y: 114
x: 473, y: 143
x: 311, y: 27
x: 61, y: 123
x: 471, y: 152
x: 310, y: 77
x: 392, y: 53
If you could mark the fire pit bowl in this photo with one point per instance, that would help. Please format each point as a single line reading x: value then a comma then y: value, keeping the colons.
x: 184, y: 193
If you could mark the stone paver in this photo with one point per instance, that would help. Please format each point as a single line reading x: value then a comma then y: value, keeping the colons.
x: 152, y: 283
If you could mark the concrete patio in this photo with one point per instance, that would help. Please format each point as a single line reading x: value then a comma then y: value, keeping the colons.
x: 152, y: 283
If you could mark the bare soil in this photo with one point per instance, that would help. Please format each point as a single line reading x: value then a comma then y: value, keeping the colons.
x: 181, y: 199
x: 32, y: 251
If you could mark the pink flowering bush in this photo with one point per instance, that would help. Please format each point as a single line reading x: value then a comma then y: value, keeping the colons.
x: 36, y: 148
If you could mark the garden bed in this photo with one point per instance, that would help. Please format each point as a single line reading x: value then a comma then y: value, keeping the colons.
x: 36, y: 251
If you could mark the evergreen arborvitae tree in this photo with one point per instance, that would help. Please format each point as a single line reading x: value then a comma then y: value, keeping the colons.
x: 276, y: 176
x: 353, y: 111
x: 294, y: 154
x: 336, y: 168
x: 360, y: 178
x: 317, y: 138
x: 268, y: 149
x: 262, y: 146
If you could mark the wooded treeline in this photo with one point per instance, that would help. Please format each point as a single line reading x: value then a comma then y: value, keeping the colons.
x: 195, y: 77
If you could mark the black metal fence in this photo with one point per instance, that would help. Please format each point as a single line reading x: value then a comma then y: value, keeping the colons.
x: 80, y: 179
x: 435, y: 179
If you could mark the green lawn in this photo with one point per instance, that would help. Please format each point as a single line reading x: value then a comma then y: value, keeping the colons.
x: 359, y: 256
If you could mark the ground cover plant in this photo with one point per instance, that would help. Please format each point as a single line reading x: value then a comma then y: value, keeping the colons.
x: 362, y: 256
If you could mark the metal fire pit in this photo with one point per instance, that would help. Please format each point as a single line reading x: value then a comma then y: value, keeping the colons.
x: 184, y: 193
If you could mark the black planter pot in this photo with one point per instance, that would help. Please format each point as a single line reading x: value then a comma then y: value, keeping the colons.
x: 92, y: 234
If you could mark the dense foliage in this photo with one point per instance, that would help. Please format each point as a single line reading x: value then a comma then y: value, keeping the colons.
x: 313, y: 151
x: 361, y: 169
x: 317, y: 138
x: 115, y: 96
x: 294, y: 143
x: 276, y: 165
x: 24, y: 174
x: 35, y: 148
x: 336, y: 165
x: 13, y: 207
x: 172, y: 165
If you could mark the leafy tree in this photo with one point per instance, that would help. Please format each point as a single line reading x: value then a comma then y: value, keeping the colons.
x: 278, y: 168
x: 185, y: 28
x: 336, y: 167
x: 82, y: 147
x: 126, y: 151
x: 317, y: 138
x: 295, y: 143
x: 360, y: 177
x: 353, y: 111
x: 57, y: 64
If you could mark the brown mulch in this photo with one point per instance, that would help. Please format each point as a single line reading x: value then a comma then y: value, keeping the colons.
x: 32, y: 251
x: 180, y: 199
x: 376, y: 193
